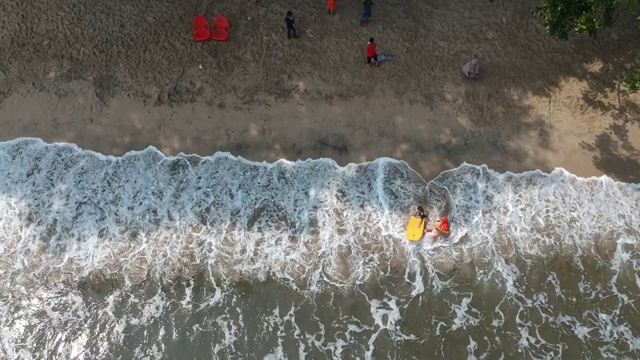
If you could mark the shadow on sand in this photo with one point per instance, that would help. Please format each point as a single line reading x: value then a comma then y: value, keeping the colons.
x: 153, y: 58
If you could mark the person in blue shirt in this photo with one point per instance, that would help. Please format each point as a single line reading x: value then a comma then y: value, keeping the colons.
x: 366, y: 12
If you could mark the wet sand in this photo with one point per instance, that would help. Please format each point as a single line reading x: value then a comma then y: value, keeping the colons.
x: 111, y: 80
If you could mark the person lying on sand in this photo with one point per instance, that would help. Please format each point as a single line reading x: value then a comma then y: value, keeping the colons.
x: 366, y: 12
x: 386, y: 57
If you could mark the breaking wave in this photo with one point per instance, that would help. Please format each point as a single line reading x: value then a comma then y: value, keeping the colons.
x: 72, y: 219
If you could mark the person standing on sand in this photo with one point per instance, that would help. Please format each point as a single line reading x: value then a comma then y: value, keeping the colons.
x: 371, y: 52
x: 366, y: 12
x: 291, y: 25
x: 331, y: 6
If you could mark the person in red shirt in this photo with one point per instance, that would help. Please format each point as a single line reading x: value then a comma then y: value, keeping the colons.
x: 331, y: 6
x: 442, y: 226
x: 371, y: 52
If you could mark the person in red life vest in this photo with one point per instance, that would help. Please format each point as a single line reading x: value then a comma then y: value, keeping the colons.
x: 371, y: 52
x: 442, y: 226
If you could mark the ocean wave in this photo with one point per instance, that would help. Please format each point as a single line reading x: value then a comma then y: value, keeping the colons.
x: 68, y: 215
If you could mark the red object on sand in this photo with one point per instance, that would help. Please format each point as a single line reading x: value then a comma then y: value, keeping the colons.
x: 200, y: 28
x: 220, y: 28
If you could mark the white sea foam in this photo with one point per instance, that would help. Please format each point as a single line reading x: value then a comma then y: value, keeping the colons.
x: 69, y: 213
x: 71, y: 218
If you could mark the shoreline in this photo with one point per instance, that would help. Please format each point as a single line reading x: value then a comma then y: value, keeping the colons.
x: 109, y: 80
x: 291, y: 130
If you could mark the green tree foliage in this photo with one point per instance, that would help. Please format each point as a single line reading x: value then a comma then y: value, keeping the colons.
x: 585, y: 17
x: 632, y: 81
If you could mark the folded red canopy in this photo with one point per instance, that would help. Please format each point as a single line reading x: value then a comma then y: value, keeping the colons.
x: 200, y: 28
x: 220, y: 28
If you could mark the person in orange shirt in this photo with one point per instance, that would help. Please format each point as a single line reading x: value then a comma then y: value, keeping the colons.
x: 331, y: 6
x: 442, y: 226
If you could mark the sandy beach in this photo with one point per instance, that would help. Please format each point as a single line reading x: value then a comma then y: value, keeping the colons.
x: 115, y: 76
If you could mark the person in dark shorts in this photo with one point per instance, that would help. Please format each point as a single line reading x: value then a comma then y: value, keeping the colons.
x: 367, y: 6
x: 371, y: 52
x: 291, y: 25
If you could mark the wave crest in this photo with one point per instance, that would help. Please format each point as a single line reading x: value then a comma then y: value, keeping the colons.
x: 68, y: 214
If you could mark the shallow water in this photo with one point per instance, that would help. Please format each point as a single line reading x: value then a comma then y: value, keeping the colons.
x: 147, y: 256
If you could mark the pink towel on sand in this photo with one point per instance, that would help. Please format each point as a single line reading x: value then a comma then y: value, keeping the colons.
x: 471, y: 68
